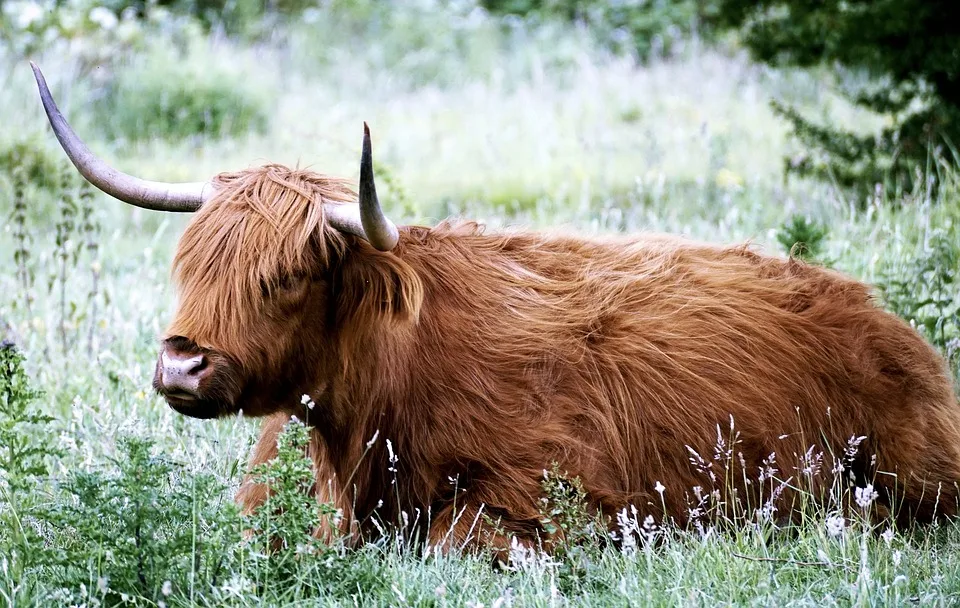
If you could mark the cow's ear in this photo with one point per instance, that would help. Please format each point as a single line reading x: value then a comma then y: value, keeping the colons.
x: 372, y: 288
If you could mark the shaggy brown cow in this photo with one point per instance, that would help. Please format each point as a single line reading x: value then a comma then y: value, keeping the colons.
x: 448, y: 367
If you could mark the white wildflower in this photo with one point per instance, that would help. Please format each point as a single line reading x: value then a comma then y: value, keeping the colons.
x: 835, y: 526
x: 627, y: 526
x: 887, y: 536
x: 853, y: 445
x: 393, y: 460
x: 441, y: 591
x: 659, y: 487
x: 766, y: 512
x: 373, y: 439
x: 769, y: 468
x: 896, y: 557
x: 304, y: 399
x: 865, y: 496
x: 237, y: 586
x: 649, y: 529
x: 102, y: 584
x: 520, y: 554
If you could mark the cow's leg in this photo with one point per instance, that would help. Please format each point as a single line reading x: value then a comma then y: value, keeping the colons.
x: 469, y: 526
x: 917, y: 472
x: 325, y: 488
x: 251, y: 494
x: 491, y: 515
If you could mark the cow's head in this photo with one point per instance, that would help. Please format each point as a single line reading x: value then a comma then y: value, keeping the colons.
x: 253, y: 269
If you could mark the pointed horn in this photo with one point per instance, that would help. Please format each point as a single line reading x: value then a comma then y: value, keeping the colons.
x: 157, y: 196
x: 365, y: 220
x: 381, y: 232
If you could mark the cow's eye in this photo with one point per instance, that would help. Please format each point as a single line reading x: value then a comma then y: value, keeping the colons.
x: 282, y: 285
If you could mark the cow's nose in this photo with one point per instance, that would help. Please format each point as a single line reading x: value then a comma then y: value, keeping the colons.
x: 182, y: 374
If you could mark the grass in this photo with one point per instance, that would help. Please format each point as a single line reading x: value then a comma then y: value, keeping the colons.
x: 531, y: 128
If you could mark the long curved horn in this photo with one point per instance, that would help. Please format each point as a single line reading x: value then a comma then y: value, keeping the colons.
x: 157, y: 196
x: 366, y: 220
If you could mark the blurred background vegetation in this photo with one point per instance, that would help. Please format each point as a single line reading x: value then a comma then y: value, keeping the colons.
x: 897, y: 59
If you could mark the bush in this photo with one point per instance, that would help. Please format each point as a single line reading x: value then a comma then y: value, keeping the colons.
x: 907, y: 47
x: 643, y: 27
x: 26, y: 447
x: 147, y: 529
x: 802, y: 238
x: 925, y: 290
x: 31, y: 161
x: 163, y: 94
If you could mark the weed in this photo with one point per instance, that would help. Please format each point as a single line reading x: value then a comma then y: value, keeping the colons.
x: 924, y: 290
x: 802, y: 238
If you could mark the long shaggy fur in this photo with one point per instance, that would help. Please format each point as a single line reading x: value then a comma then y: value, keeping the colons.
x: 486, y: 357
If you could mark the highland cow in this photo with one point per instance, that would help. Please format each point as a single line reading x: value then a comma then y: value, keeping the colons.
x: 446, y: 368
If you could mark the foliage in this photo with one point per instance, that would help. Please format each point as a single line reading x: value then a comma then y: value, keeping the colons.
x: 162, y: 95
x: 145, y: 528
x: 93, y: 34
x: 802, y: 238
x: 925, y: 290
x: 37, y: 164
x: 26, y: 452
x: 284, y: 525
x: 907, y: 48
x: 646, y: 28
x: 24, y: 447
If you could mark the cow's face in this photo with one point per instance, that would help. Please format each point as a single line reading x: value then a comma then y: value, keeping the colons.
x: 252, y: 272
x: 260, y: 370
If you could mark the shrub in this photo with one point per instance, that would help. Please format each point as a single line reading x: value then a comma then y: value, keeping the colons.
x: 24, y: 441
x: 923, y: 289
x: 26, y: 446
x: 145, y: 528
x: 284, y: 524
x: 35, y: 162
x: 643, y: 27
x: 802, y: 238
x: 165, y: 95
x: 907, y: 47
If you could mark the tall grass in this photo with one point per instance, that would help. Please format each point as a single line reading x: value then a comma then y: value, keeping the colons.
x: 535, y: 127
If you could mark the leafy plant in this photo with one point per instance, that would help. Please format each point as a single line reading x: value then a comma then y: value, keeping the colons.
x: 284, y: 524
x: 643, y: 27
x: 925, y: 291
x: 27, y: 160
x: 26, y: 447
x: 163, y: 95
x: 147, y: 528
x: 24, y: 439
x: 906, y: 47
x: 802, y: 238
